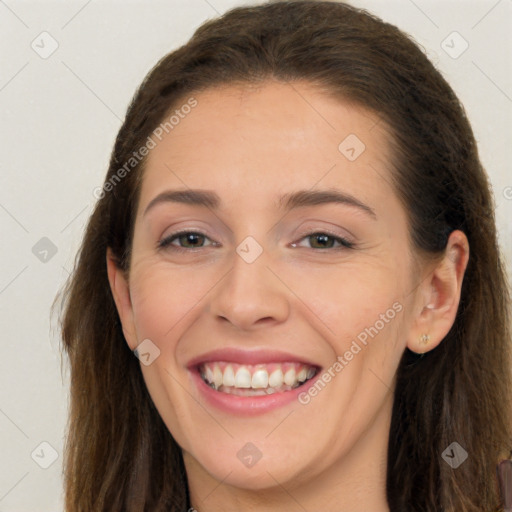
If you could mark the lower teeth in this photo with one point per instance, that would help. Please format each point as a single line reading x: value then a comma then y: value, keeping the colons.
x: 231, y: 390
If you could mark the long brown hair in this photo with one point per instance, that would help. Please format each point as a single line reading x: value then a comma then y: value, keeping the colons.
x: 119, y: 454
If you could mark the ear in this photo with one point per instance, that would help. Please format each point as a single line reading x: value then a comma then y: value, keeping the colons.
x: 439, y: 296
x: 121, y: 293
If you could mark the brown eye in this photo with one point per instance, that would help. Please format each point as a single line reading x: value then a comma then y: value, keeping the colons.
x: 186, y: 240
x: 191, y: 238
x: 322, y: 240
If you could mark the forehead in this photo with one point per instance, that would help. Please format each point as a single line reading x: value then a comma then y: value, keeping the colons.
x: 264, y: 139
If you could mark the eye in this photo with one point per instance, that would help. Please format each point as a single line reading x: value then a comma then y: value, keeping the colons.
x: 194, y: 238
x: 327, y: 241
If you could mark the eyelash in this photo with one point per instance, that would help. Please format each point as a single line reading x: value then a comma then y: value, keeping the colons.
x: 165, y: 243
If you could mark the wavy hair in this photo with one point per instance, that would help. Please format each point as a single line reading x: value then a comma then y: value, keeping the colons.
x: 119, y: 455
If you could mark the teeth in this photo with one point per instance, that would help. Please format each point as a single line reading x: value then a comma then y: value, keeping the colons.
x: 243, y: 378
x: 217, y: 376
x: 289, y: 377
x: 302, y: 375
x: 229, y: 376
x: 258, y: 379
x: 209, y: 374
x: 276, y: 378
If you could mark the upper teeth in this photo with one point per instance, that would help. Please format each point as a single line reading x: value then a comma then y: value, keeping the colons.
x: 261, y: 376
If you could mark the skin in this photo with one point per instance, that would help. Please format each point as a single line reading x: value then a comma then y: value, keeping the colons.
x: 251, y: 144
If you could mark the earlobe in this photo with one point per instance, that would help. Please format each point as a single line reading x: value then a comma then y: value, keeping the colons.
x: 121, y: 293
x: 440, y: 296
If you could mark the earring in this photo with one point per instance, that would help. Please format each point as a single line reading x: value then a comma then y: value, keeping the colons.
x: 424, y: 339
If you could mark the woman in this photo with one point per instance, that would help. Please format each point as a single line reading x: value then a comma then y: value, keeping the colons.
x: 290, y: 295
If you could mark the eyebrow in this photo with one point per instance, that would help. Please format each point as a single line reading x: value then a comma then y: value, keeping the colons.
x: 290, y: 201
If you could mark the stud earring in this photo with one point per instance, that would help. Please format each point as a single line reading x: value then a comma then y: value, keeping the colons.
x: 424, y: 339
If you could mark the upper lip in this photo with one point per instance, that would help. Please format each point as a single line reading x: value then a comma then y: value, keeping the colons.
x: 242, y: 356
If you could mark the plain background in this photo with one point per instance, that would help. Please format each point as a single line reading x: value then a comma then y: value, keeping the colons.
x: 59, y: 118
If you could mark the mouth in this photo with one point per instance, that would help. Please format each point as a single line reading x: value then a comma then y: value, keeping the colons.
x: 244, y: 383
x: 252, y: 380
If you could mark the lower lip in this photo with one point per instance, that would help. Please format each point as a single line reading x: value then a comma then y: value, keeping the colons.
x: 248, y: 405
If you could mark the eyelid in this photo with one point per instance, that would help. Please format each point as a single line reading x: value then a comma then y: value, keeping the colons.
x: 165, y: 241
x: 344, y: 242
x: 336, y: 234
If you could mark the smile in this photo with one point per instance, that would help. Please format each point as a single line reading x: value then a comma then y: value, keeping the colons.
x: 255, y: 379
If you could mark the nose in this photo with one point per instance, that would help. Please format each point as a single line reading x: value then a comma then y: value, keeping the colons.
x: 250, y: 295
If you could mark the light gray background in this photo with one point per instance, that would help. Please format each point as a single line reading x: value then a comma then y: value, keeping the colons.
x: 59, y: 118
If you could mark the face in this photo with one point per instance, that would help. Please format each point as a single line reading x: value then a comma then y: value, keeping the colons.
x: 272, y: 274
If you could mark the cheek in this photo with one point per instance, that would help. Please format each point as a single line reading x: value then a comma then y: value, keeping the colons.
x: 162, y: 298
x: 352, y: 298
x: 361, y: 310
